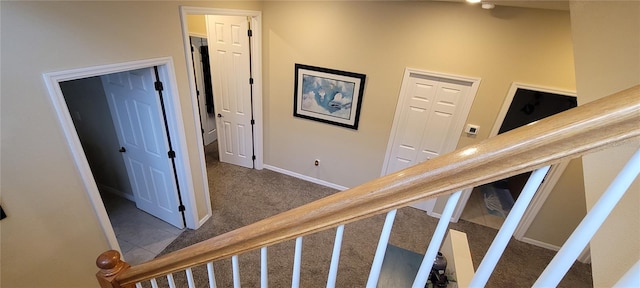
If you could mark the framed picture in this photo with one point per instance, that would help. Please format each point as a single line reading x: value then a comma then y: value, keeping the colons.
x: 327, y: 95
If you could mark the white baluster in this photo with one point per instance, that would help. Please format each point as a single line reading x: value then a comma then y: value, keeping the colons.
x: 335, y: 258
x: 508, y: 227
x: 264, y: 271
x: 190, y: 278
x: 212, y: 276
x: 297, y: 262
x: 138, y: 285
x: 154, y: 283
x: 376, y: 266
x: 236, y: 271
x: 589, y: 225
x: 172, y: 284
x: 436, y: 240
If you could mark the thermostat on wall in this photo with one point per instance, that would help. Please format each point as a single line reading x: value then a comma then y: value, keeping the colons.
x: 472, y: 129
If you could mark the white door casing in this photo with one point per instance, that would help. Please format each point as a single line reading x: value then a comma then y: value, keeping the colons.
x: 430, y: 115
x: 207, y: 120
x: 165, y: 66
x: 135, y: 108
x: 550, y: 180
x: 230, y: 63
x: 256, y: 64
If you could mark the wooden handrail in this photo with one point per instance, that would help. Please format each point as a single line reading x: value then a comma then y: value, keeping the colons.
x: 573, y: 133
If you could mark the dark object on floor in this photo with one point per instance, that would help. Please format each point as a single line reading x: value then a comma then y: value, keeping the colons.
x: 438, y: 279
x: 436, y: 276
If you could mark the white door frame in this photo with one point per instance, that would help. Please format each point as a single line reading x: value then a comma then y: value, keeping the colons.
x: 458, y: 126
x: 202, y: 110
x: 550, y: 180
x: 174, y: 119
x: 256, y: 63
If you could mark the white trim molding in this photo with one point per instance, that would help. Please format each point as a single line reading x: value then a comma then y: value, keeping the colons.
x: 116, y: 192
x: 585, y: 256
x: 540, y: 244
x: 538, y: 200
x: 256, y: 62
x: 512, y: 92
x: 305, y: 177
x: 176, y: 126
x: 545, y: 188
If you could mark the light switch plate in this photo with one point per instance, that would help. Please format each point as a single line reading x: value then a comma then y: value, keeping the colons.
x: 472, y: 129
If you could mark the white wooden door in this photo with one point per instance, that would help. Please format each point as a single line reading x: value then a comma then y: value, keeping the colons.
x: 229, y: 55
x: 136, y: 112
x: 207, y: 120
x: 432, y: 112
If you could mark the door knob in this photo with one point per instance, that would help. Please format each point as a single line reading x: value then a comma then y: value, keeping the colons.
x: 122, y: 150
x: 219, y: 115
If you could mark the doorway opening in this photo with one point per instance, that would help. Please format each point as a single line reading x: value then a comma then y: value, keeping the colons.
x: 92, y: 111
x: 204, y: 89
x: 489, y: 204
x: 107, y: 118
x: 202, y: 25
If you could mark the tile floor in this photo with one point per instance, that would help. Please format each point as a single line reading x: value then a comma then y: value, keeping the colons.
x: 476, y: 212
x: 140, y: 235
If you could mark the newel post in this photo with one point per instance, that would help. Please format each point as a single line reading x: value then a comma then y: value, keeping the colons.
x: 110, y: 266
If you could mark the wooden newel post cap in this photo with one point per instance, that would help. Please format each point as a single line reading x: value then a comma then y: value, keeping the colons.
x: 109, y: 263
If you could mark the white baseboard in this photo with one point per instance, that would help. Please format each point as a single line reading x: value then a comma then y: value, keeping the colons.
x: 434, y: 214
x: 305, y: 177
x: 203, y: 220
x: 116, y: 192
x: 540, y: 244
x: 584, y: 257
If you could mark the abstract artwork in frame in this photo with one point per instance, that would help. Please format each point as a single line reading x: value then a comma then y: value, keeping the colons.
x: 327, y: 95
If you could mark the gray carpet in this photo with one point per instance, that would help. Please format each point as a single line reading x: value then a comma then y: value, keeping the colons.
x: 242, y: 196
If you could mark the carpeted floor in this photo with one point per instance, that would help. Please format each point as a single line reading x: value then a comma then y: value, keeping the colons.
x: 242, y: 196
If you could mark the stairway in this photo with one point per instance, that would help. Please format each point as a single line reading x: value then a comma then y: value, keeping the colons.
x: 400, y: 266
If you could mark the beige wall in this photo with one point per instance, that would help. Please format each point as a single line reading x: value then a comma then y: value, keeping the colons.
x: 380, y: 39
x: 563, y: 210
x: 51, y: 220
x: 606, y: 37
x: 52, y: 237
x: 197, y: 24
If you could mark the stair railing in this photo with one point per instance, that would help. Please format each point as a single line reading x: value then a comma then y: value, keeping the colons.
x: 594, y: 126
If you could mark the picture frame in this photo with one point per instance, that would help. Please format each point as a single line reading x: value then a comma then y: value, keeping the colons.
x: 328, y: 95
